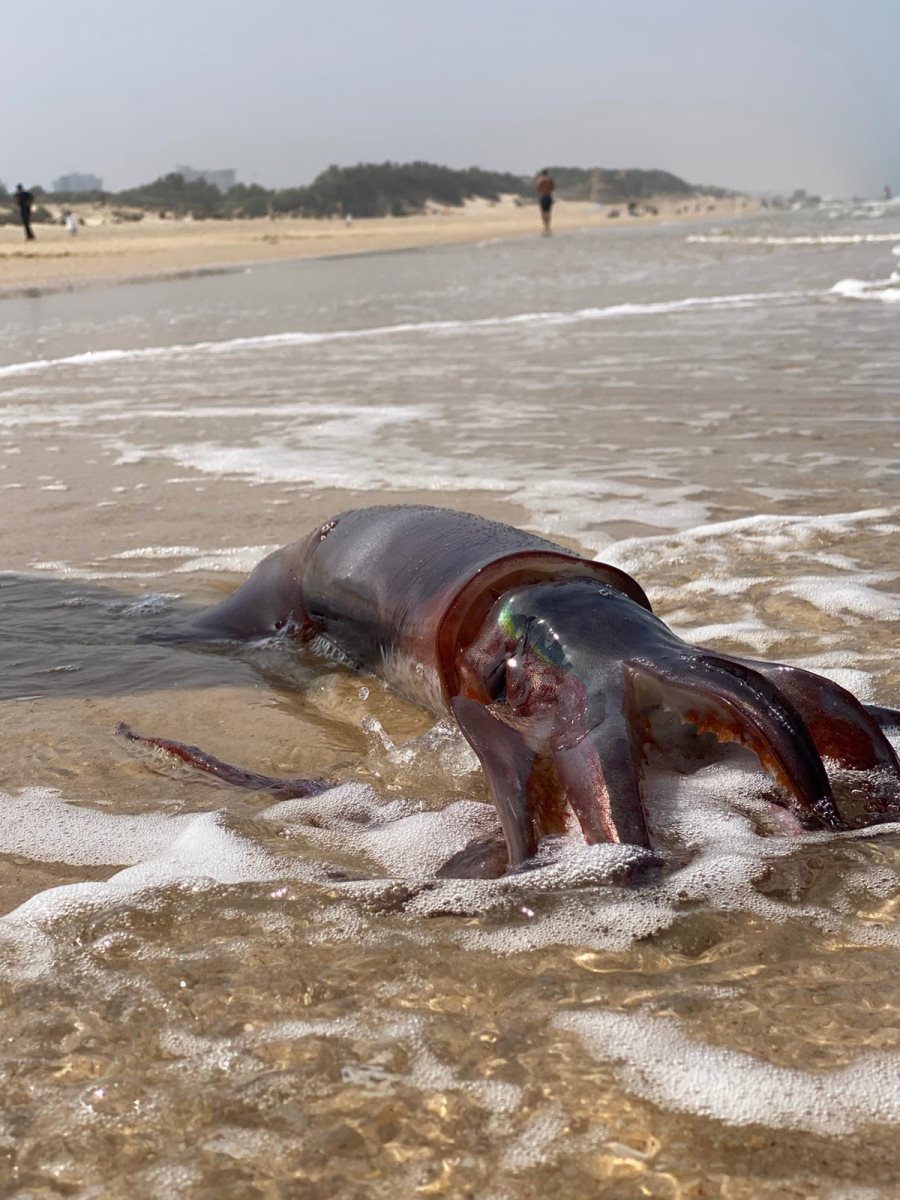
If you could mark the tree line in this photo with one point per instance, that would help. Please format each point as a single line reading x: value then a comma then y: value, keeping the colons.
x: 365, y: 190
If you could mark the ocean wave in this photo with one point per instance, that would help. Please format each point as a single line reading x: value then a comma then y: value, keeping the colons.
x: 885, y: 290
x: 823, y: 239
x: 276, y: 341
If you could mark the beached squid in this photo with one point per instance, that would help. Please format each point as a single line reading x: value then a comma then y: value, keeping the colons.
x: 554, y: 667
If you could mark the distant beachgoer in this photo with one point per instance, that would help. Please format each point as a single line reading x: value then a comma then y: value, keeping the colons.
x: 545, y: 186
x: 888, y: 194
x: 71, y: 223
x: 25, y: 201
x: 348, y: 219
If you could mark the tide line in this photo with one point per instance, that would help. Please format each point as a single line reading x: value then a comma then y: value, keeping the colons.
x: 302, y: 338
x: 824, y: 239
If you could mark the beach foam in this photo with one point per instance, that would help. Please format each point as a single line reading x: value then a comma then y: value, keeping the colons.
x: 817, y: 239
x: 885, y: 290
x: 40, y: 825
x: 262, y: 342
x: 715, y: 821
x: 664, y: 1065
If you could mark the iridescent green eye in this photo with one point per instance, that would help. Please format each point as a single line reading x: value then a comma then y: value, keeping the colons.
x: 539, y: 637
x: 512, y: 624
x: 545, y: 644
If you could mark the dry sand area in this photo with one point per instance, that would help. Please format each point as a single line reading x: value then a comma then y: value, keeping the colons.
x: 107, y: 252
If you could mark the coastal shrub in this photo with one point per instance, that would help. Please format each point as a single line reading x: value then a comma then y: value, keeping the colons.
x: 379, y: 189
x: 247, y: 200
x: 611, y: 186
x: 176, y: 195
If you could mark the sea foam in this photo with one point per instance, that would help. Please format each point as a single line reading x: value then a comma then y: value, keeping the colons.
x: 295, y: 338
x: 823, y: 239
x: 661, y: 1063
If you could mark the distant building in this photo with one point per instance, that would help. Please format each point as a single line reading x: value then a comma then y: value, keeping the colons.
x: 76, y: 182
x: 223, y: 179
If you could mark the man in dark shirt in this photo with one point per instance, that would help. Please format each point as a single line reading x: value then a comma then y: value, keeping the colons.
x: 25, y: 200
x: 544, y: 186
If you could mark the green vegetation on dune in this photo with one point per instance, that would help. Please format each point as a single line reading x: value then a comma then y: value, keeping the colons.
x: 380, y: 189
x: 606, y: 185
x: 377, y: 190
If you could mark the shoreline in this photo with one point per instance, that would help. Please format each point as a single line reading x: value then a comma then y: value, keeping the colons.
x: 154, y: 250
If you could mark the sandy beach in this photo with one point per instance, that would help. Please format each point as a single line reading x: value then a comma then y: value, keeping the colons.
x: 108, y: 252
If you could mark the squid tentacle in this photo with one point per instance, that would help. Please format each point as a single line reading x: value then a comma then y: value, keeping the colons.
x: 284, y: 789
x: 738, y: 703
x: 843, y: 729
x: 601, y: 772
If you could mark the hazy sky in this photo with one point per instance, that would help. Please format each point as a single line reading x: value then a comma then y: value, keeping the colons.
x: 754, y: 94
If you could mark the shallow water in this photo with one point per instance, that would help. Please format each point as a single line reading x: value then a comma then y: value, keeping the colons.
x: 207, y: 993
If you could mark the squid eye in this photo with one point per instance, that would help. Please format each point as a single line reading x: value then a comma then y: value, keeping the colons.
x: 279, y: 624
x: 513, y: 624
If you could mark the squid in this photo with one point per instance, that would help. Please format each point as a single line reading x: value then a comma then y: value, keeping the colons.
x: 554, y: 667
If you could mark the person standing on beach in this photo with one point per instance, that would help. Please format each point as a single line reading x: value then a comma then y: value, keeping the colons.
x: 25, y: 200
x: 545, y: 186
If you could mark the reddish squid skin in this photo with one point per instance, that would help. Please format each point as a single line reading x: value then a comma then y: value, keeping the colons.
x: 552, y: 665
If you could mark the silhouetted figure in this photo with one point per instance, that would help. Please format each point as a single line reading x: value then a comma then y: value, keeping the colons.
x: 25, y: 201
x: 888, y: 194
x: 544, y: 186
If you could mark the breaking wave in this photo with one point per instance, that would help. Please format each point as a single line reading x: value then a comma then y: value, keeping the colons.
x: 304, y: 338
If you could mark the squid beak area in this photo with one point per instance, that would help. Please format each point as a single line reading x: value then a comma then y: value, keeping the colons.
x: 737, y: 705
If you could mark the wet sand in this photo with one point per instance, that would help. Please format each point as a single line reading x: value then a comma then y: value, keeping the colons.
x: 153, y: 248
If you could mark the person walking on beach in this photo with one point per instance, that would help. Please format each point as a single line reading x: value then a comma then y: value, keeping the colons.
x: 545, y: 186
x: 25, y: 200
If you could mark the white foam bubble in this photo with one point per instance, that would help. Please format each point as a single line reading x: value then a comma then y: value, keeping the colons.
x: 811, y: 239
x: 238, y: 560
x: 885, y: 290
x: 663, y: 1065
x: 771, y: 534
x: 399, y: 835
x: 539, y: 1141
x: 425, y: 1071
x: 161, y: 552
x: 835, y: 595
x: 202, y: 853
x: 40, y: 825
x: 715, y: 818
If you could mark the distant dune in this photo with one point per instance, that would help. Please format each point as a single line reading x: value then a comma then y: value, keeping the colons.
x: 377, y: 190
